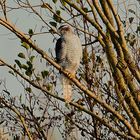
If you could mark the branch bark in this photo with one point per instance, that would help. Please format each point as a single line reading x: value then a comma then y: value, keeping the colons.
x: 21, y: 35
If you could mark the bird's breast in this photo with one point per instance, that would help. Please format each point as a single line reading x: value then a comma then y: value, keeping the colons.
x: 73, y: 48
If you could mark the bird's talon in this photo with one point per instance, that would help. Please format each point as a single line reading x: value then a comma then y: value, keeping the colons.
x: 70, y: 75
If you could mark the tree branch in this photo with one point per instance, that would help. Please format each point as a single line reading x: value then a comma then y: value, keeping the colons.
x: 102, y: 120
x: 75, y: 81
x: 19, y: 115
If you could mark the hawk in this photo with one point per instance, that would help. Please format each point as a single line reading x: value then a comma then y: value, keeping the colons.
x: 68, y: 51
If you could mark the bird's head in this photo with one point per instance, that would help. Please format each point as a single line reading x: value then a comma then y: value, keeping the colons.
x: 65, y: 29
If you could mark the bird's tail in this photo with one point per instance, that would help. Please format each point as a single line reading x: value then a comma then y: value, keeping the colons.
x: 67, y: 88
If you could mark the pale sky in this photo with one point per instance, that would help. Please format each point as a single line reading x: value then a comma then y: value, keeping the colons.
x: 10, y: 46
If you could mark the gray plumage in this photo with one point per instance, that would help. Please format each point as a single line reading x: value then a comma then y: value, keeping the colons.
x: 68, y: 54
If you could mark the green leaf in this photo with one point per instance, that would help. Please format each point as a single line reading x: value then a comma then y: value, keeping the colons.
x: 25, y: 45
x: 78, y: 1
x: 54, y: 24
x: 44, y: 73
x: 138, y: 29
x: 48, y: 87
x: 124, y: 23
x: 63, y: 2
x: 85, y: 9
x: 7, y: 92
x: 30, y: 32
x: 18, y: 63
x: 29, y: 64
x: 38, y: 78
x: 14, y: 66
x: 2, y: 122
x: 131, y: 19
x: 54, y: 1
x: 32, y: 58
x: 21, y: 55
x: 28, y: 72
x: 28, y: 89
x: 56, y: 16
x: 131, y: 11
x: 58, y: 12
x: 98, y: 59
x: 24, y: 66
x: 11, y: 72
x: 20, y: 98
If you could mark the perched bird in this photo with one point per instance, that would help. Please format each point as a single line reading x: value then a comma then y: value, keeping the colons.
x: 68, y: 51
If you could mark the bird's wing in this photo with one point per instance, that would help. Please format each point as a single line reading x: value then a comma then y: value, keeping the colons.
x: 60, y: 50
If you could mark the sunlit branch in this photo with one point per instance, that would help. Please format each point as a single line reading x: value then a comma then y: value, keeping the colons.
x: 46, y: 92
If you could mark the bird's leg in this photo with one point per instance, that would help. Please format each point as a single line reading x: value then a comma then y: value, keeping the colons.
x: 61, y: 69
x: 70, y: 74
